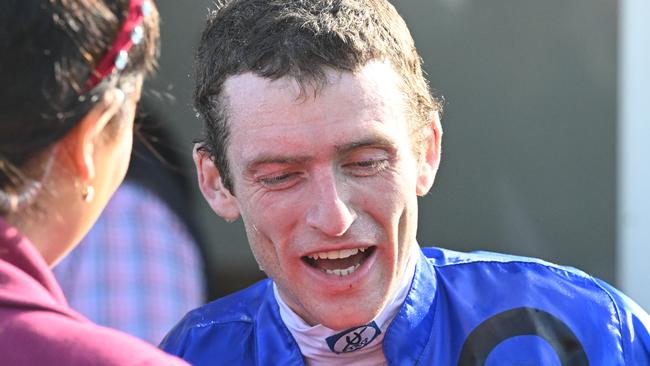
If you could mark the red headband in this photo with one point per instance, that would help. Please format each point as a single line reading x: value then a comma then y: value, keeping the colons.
x: 131, y: 33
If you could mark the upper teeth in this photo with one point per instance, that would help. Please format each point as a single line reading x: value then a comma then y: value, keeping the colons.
x: 337, y: 254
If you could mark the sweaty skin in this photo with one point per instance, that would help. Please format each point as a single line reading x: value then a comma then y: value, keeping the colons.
x: 326, y: 183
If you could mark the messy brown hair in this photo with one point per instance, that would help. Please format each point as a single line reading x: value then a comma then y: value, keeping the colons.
x: 301, y: 39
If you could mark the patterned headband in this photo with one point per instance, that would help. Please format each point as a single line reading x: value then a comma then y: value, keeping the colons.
x: 130, y: 34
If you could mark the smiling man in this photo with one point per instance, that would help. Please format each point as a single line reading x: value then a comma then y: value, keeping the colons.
x: 321, y: 132
x: 325, y: 182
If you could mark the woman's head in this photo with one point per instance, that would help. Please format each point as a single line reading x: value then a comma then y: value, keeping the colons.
x: 50, y: 53
x: 67, y: 104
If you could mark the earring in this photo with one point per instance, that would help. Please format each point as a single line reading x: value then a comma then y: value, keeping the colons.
x: 87, y: 192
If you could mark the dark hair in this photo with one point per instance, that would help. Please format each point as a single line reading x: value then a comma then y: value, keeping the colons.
x: 48, y: 48
x: 300, y: 39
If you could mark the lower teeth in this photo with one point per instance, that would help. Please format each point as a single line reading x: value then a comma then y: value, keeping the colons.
x: 343, y: 272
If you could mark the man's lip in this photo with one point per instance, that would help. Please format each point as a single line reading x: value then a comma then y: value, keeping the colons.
x: 334, y: 283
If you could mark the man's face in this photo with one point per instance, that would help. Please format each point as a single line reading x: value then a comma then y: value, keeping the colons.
x: 326, y: 184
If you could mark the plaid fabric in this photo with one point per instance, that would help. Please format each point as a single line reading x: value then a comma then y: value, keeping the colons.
x: 138, y: 269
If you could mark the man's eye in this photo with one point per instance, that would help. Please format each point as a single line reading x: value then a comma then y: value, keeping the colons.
x: 279, y: 181
x: 367, y: 167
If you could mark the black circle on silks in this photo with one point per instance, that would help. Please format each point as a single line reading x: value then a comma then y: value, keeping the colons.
x: 520, y: 322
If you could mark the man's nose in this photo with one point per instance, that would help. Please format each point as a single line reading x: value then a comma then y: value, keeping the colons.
x: 329, y: 212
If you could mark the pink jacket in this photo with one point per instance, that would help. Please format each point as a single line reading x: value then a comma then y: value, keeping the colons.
x: 37, y: 327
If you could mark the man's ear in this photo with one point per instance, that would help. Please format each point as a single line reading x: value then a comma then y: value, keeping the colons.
x: 430, y: 158
x: 220, y: 199
x: 80, y: 143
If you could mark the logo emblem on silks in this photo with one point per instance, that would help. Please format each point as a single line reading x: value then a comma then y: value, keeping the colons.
x: 353, y: 339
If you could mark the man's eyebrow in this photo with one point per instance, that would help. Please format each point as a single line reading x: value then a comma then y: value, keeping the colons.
x: 275, y: 159
x: 379, y: 141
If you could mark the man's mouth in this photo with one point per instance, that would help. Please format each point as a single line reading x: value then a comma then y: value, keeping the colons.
x: 339, y: 262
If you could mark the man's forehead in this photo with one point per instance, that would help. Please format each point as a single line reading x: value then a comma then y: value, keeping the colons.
x: 240, y: 86
x: 247, y: 95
